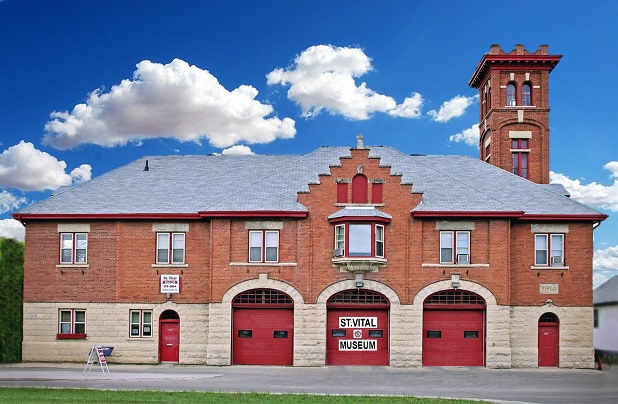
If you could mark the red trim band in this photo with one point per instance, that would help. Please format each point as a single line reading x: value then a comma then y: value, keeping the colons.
x: 255, y: 213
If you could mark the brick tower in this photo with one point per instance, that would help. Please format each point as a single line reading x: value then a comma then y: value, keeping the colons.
x: 514, y: 113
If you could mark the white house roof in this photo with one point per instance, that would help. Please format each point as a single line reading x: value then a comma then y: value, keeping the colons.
x: 607, y: 292
x: 218, y: 183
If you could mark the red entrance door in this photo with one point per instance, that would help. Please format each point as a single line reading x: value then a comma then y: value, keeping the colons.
x: 263, y: 336
x: 548, y: 340
x: 169, y: 340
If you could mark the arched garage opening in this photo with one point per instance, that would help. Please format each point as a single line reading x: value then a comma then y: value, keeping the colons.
x: 263, y: 328
x: 454, y: 329
x: 357, y: 328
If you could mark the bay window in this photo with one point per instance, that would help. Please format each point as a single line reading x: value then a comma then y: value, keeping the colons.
x: 359, y: 240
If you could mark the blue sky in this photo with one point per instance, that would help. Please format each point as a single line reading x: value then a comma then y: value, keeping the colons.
x: 87, y: 86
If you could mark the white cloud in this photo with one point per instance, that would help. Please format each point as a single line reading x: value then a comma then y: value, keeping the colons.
x: 25, y: 168
x: 175, y: 100
x: 469, y: 136
x: 453, y: 108
x: 238, y: 150
x: 605, y: 197
x: 9, y: 202
x: 81, y: 174
x: 409, y: 108
x: 323, y: 78
x: 10, y: 228
x: 605, y: 265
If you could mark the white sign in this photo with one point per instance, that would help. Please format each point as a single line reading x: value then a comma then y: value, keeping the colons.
x: 170, y: 283
x: 358, y: 322
x: 548, y: 288
x: 358, y: 345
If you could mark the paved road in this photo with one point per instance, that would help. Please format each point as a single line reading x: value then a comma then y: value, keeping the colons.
x: 506, y: 385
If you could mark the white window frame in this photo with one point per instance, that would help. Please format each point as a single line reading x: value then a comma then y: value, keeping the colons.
x: 143, y: 327
x: 455, y: 245
x: 340, y: 238
x: 72, y: 321
x: 264, y: 242
x: 550, y: 249
x: 174, y: 242
x: 379, y: 244
x: 77, y: 245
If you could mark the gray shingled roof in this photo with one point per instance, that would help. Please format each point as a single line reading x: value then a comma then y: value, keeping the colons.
x: 607, y: 292
x: 201, y: 183
x: 359, y: 212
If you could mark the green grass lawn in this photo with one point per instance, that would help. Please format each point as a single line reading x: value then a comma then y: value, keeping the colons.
x: 48, y: 395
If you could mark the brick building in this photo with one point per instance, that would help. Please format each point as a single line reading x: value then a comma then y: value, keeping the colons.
x: 343, y: 256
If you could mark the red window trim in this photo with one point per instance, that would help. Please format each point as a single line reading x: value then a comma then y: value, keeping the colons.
x: 71, y: 336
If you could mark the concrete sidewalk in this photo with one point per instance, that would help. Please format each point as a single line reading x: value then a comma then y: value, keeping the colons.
x: 506, y: 385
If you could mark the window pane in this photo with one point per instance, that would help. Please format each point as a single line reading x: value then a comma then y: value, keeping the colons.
x: 255, y: 254
x: 65, y: 316
x: 446, y: 246
x: 271, y: 254
x: 67, y: 241
x: 360, y: 240
x: 340, y: 236
x: 134, y: 330
x: 379, y: 241
x: 162, y: 255
x: 80, y: 256
x: 510, y: 95
x: 463, y: 242
x: 80, y: 328
x: 65, y: 328
x: 147, y: 317
x: 540, y: 247
x: 80, y: 316
x: 67, y: 256
x: 178, y: 256
x: 135, y: 317
x: 81, y: 241
x: 147, y: 330
x: 272, y: 245
x: 178, y: 241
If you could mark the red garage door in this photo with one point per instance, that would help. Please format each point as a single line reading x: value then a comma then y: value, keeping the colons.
x: 263, y: 328
x: 454, y: 329
x: 357, y: 329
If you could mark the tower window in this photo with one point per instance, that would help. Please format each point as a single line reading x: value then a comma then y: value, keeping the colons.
x: 511, y: 100
x: 526, y: 94
x: 519, y: 150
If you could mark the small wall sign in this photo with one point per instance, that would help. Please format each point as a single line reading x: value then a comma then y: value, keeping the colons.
x: 170, y: 283
x: 548, y: 288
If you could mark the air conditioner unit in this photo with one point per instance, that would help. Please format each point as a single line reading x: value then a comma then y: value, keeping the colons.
x: 557, y: 261
x: 338, y: 252
x: 463, y: 258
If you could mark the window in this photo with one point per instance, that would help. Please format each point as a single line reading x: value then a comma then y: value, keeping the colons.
x: 359, y: 240
x: 526, y: 95
x: 71, y: 323
x: 454, y: 247
x: 549, y: 249
x: 73, y: 248
x: 170, y: 248
x: 264, y: 246
x: 596, y: 318
x: 141, y: 323
x: 511, y: 101
x: 520, y: 157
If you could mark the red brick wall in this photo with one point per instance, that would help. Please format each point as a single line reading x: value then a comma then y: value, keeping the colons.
x: 121, y: 254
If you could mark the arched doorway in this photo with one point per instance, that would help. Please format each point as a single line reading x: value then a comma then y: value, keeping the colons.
x: 454, y: 329
x: 263, y: 328
x: 169, y: 336
x: 549, y: 327
x: 357, y: 328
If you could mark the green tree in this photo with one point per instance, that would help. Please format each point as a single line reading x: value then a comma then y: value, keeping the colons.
x: 11, y: 299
